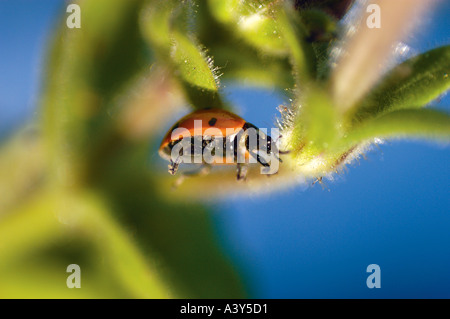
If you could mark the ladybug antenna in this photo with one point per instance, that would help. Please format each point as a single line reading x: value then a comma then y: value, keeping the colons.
x: 278, y: 138
x: 279, y: 159
x: 279, y: 151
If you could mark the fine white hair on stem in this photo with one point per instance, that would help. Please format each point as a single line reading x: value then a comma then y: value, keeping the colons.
x: 366, y: 51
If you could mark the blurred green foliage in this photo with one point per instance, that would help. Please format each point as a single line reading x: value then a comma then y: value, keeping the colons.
x: 95, y: 193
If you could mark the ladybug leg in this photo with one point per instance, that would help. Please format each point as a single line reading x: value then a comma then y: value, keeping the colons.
x: 173, y: 166
x: 259, y: 158
x: 275, y: 154
x: 263, y: 161
x: 266, y: 146
x: 242, y: 170
x: 320, y: 181
x: 204, y: 170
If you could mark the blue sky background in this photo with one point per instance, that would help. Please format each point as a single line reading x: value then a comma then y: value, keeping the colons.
x: 392, y: 209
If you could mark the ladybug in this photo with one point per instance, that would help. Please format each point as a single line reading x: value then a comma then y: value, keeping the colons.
x: 223, y: 135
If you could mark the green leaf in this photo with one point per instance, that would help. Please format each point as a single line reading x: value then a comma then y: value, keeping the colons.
x: 193, y: 64
x: 246, y: 67
x: 319, y: 26
x: 422, y: 123
x: 317, y: 121
x: 412, y: 84
x: 254, y: 22
x: 236, y: 59
x: 166, y: 27
x: 224, y: 11
x: 302, y: 54
x: 336, y: 8
x: 156, y: 25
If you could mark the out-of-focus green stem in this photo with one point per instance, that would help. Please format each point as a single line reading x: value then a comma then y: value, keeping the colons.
x: 52, y: 215
x: 87, y: 68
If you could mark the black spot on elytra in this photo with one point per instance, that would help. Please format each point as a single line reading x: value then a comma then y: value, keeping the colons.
x: 212, y: 121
